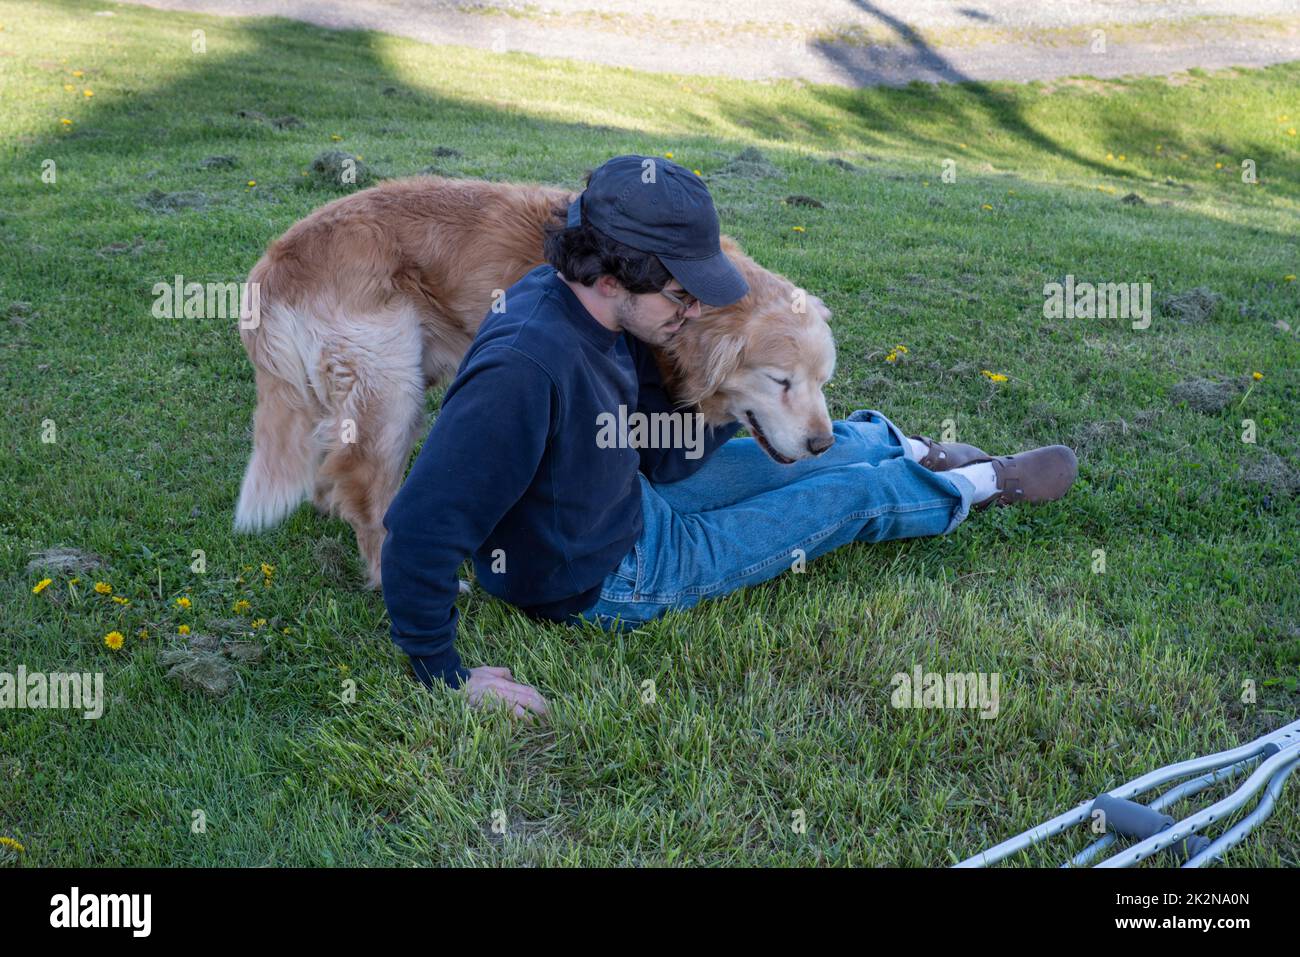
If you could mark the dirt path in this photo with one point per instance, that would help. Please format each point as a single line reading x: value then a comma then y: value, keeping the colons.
x: 844, y: 42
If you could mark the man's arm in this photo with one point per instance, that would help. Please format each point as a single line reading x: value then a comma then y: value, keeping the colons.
x: 669, y: 465
x: 479, y: 459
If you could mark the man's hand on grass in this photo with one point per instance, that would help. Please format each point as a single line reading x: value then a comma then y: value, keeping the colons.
x: 487, y: 687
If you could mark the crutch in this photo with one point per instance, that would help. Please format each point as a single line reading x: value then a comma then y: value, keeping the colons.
x: 1273, y: 757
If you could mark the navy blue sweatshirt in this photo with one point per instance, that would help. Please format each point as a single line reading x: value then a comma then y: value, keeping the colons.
x: 512, y: 473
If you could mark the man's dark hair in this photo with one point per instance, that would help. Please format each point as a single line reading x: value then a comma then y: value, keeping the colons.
x: 584, y: 254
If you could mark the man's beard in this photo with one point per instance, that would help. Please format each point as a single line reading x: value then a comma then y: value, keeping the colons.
x: 629, y: 317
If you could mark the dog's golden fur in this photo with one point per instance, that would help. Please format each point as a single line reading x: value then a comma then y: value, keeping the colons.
x: 375, y: 297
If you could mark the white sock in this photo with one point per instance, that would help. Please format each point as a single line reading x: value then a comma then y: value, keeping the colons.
x: 982, y: 476
x: 919, y: 450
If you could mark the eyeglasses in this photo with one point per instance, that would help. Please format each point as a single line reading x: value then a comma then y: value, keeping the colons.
x: 683, y: 303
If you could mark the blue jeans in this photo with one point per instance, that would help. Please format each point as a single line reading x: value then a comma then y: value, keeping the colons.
x: 743, y: 518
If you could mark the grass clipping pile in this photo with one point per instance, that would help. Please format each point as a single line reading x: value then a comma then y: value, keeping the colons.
x: 1206, y: 396
x: 207, y: 664
x: 336, y: 169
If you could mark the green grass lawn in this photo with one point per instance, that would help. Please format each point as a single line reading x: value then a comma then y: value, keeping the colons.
x: 772, y: 701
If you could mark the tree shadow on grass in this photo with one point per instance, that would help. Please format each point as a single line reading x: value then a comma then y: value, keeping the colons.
x: 932, y: 117
x: 977, y: 104
x: 203, y: 105
x: 250, y: 93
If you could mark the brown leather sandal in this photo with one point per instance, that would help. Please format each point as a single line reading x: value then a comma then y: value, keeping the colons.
x: 1039, y: 475
x: 950, y: 455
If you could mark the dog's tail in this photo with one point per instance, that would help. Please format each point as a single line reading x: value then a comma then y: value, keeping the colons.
x: 282, y: 469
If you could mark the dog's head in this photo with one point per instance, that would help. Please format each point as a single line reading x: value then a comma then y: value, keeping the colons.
x: 761, y: 361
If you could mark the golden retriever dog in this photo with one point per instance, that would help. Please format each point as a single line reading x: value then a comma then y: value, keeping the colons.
x: 375, y: 297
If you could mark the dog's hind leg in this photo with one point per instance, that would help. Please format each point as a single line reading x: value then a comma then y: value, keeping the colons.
x: 368, y: 440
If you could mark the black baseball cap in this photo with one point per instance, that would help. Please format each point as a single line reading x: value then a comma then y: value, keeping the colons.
x: 656, y: 206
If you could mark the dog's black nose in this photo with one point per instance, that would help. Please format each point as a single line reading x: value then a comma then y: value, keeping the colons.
x: 820, y: 443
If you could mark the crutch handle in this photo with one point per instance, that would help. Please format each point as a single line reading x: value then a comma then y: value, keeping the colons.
x: 1132, y: 819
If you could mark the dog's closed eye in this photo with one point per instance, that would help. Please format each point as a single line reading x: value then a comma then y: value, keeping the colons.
x: 784, y: 382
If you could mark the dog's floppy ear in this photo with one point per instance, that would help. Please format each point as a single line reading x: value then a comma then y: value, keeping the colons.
x: 723, y: 359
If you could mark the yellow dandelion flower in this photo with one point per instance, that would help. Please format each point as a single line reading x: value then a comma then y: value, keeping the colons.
x: 9, y: 842
x: 65, y: 121
x: 142, y: 634
x: 183, y: 630
x: 1160, y: 149
x: 961, y: 145
x: 69, y: 88
x: 242, y: 606
x: 41, y: 585
x: 1257, y: 376
x: 986, y: 206
x: 104, y: 588
x: 335, y: 137
x: 697, y: 172
x: 901, y: 348
x: 1110, y: 156
x: 121, y: 601
x: 252, y: 182
x: 183, y: 601
x: 285, y: 632
x: 114, y: 640
x: 74, y: 581
x: 892, y: 357
x: 1122, y: 157
x: 1291, y: 132
x: 993, y: 376
x: 1218, y: 166
x: 798, y: 229
x: 668, y: 156
x: 88, y: 92
x: 1289, y: 278
x: 78, y: 73
x: 258, y: 622
x: 268, y: 570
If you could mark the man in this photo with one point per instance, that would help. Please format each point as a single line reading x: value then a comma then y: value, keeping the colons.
x: 568, y: 530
